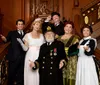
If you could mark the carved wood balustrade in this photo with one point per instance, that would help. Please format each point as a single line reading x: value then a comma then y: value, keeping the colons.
x: 3, y: 63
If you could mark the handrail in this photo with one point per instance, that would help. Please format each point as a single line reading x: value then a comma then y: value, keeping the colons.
x: 91, y: 13
x: 27, y: 26
x: 90, y: 5
x: 2, y: 50
x: 97, y: 54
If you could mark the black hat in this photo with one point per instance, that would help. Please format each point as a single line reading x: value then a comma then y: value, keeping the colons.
x: 48, y: 29
x: 55, y: 13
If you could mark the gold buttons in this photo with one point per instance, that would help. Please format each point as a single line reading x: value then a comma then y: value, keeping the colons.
x: 43, y: 57
x: 50, y: 73
x: 43, y: 62
x: 43, y: 67
x: 51, y: 62
x: 50, y: 67
x: 51, y: 57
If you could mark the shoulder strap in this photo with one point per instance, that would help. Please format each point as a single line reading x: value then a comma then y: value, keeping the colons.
x: 69, y: 41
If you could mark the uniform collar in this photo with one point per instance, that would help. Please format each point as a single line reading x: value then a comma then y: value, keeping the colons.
x: 49, y: 43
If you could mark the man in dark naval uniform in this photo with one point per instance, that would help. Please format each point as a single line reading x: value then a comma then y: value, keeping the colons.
x: 51, y: 60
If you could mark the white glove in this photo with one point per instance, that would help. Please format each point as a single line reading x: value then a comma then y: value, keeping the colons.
x: 25, y: 48
x: 19, y: 40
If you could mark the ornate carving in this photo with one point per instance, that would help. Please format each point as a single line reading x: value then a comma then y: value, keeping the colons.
x: 92, y: 14
x: 32, y: 7
x: 3, y: 71
x: 43, y: 7
x: 99, y: 12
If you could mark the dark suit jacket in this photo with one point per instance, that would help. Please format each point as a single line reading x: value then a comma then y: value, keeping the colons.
x: 15, y: 50
x: 59, y: 30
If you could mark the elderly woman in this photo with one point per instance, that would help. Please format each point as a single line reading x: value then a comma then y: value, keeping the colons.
x: 69, y: 71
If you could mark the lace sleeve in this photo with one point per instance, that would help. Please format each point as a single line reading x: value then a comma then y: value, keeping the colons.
x: 25, y: 38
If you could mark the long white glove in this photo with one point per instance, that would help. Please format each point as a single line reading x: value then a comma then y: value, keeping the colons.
x: 24, y: 47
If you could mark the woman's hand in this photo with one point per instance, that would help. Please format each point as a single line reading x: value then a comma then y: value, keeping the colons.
x: 86, y: 48
x: 31, y: 64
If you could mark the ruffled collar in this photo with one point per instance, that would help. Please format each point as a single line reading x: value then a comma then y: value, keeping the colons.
x: 86, y: 38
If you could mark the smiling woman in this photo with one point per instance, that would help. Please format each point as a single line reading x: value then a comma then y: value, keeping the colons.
x: 33, y: 40
x: 69, y: 39
x: 87, y: 46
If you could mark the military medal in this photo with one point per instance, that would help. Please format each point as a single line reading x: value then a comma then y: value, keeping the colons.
x: 55, y: 51
x: 51, y: 52
x: 55, y: 54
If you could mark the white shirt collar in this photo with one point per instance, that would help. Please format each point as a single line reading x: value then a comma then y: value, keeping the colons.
x: 86, y: 38
x: 57, y: 23
x: 20, y: 31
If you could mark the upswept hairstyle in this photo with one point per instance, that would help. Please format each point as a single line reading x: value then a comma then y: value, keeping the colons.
x: 69, y: 22
x: 87, y: 26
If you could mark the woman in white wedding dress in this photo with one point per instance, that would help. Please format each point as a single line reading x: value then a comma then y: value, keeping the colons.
x: 86, y: 68
x: 33, y: 41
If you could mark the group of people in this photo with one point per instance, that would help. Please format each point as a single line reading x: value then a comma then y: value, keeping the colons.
x: 55, y: 56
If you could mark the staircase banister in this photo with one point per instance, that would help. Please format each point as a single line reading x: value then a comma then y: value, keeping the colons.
x: 3, y: 50
x: 90, y: 5
x: 27, y: 26
x: 97, y: 53
x: 3, y: 63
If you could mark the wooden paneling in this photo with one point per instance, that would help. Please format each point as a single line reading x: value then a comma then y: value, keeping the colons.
x: 27, y: 10
x: 13, y: 10
x: 1, y: 20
